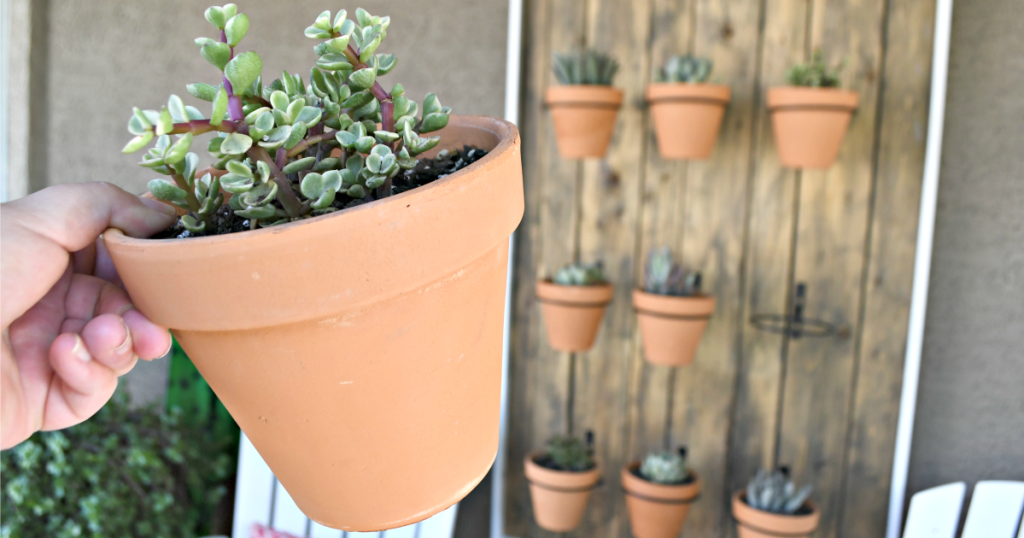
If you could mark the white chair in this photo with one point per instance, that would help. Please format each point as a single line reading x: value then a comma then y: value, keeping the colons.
x: 995, y: 512
x: 260, y: 498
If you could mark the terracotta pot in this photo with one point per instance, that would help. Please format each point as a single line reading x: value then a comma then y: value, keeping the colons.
x: 584, y: 117
x: 360, y: 351
x: 810, y: 124
x: 671, y: 327
x: 687, y: 117
x: 559, y: 497
x: 573, y: 314
x: 657, y: 510
x: 754, y: 523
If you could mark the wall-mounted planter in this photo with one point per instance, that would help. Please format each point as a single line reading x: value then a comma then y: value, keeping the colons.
x: 559, y: 497
x: 657, y: 510
x: 584, y: 117
x: 336, y: 341
x: 671, y: 327
x: 573, y: 314
x: 687, y: 117
x: 754, y: 523
x: 810, y: 123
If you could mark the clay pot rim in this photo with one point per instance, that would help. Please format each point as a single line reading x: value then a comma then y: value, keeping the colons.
x: 560, y: 479
x: 790, y: 524
x: 695, y: 305
x: 583, y: 95
x: 633, y: 483
x: 664, y: 93
x: 597, y: 295
x: 506, y: 142
x: 782, y: 97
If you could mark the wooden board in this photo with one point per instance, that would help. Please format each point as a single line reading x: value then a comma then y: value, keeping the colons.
x: 754, y: 229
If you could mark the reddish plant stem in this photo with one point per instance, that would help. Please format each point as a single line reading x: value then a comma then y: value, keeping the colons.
x: 190, y: 198
x: 234, y: 102
x: 280, y: 157
x: 198, y: 127
x: 303, y: 145
x: 289, y: 201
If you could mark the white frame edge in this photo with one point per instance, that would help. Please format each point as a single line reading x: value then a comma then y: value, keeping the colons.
x: 922, y: 267
x: 512, y: 72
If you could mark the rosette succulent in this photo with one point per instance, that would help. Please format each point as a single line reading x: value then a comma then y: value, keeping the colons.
x: 774, y: 492
x: 665, y: 467
x: 567, y: 453
x: 585, y: 67
x: 663, y: 276
x: 814, y: 74
x: 290, y: 149
x: 690, y: 69
x: 580, y: 274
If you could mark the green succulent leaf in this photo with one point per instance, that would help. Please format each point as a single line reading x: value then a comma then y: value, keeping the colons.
x: 373, y: 182
x: 200, y: 41
x: 165, y: 123
x: 240, y: 169
x: 177, y: 108
x: 434, y: 122
x: 339, y: 19
x: 385, y: 137
x: 357, y: 191
x: 166, y: 191
x: 332, y: 180
x: 193, y: 225
x: 299, y: 165
x: 258, y: 212
x: 369, y: 47
x: 294, y: 108
x: 251, y: 117
x: 385, y: 63
x: 333, y: 61
x: 310, y: 115
x: 431, y: 104
x: 362, y: 79
x: 338, y: 44
x: 313, y: 32
x: 345, y: 28
x: 329, y: 163
x: 180, y: 148
x: 236, y: 184
x: 244, y: 69
x: 312, y: 185
x: 279, y: 100
x: 193, y: 113
x: 364, y: 144
x: 236, y: 28
x: 277, y: 137
x: 135, y: 126
x: 261, y: 194
x: 236, y: 144
x: 220, y: 107
x: 201, y: 90
x: 217, y: 53
x: 216, y: 16
x: 297, y: 134
x: 323, y: 21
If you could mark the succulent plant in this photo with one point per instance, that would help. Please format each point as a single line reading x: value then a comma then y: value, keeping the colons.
x: 774, y: 492
x: 567, y: 453
x: 663, y: 276
x: 580, y: 274
x: 585, y: 67
x: 815, y: 74
x: 691, y: 69
x: 276, y: 139
x: 665, y: 467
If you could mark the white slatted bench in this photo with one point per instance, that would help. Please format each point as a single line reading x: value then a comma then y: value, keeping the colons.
x: 996, y: 511
x: 260, y: 498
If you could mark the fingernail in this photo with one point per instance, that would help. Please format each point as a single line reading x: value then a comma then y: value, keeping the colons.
x: 79, y: 351
x: 127, y: 344
x: 169, y: 346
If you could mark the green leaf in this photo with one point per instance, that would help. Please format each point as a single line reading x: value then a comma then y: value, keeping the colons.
x: 244, y: 69
x: 325, y: 200
x: 236, y: 144
x: 339, y: 19
x: 166, y: 123
x: 281, y: 118
x: 176, y: 108
x: 220, y: 107
x: 385, y: 63
x: 373, y: 162
x: 138, y: 142
x: 357, y: 99
x: 297, y: 134
x: 236, y: 29
x: 431, y: 104
x: 229, y: 10
x: 294, y: 108
x: 434, y: 122
x: 362, y: 79
x: 310, y: 115
x: 193, y: 225
x: 330, y: 163
x: 258, y: 212
x: 216, y: 16
x: 364, y: 144
x: 312, y: 185
x: 333, y: 61
x: 191, y: 164
x: 135, y: 126
x: 236, y: 184
x: 261, y: 195
x: 179, y: 149
x: 385, y: 137
x: 369, y: 48
x: 262, y: 125
x: 357, y: 191
x: 323, y: 20
x: 217, y: 53
x: 375, y: 181
x: 239, y: 169
x: 277, y: 137
x: 200, y: 41
x: 201, y: 90
x: 193, y: 113
x: 346, y: 139
x: 251, y: 117
x: 316, y: 33
x: 332, y: 180
x: 338, y: 44
x: 279, y: 100
x: 299, y: 165
x: 166, y: 191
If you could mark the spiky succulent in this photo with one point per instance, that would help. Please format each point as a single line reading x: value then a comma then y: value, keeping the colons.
x: 567, y: 453
x: 580, y: 274
x: 663, y: 276
x: 815, y: 74
x: 774, y: 492
x: 276, y: 140
x: 585, y: 67
x: 691, y: 69
x: 665, y: 467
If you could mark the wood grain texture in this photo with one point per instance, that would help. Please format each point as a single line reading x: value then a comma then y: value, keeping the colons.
x: 751, y: 399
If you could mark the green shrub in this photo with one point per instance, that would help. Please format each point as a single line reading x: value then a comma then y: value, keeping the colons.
x: 125, y: 472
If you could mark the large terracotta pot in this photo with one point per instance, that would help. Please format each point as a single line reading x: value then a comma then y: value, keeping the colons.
x: 810, y: 124
x: 754, y: 523
x: 657, y: 510
x: 360, y: 351
x: 584, y: 117
x: 573, y: 313
x: 687, y: 117
x: 671, y: 327
x: 559, y: 497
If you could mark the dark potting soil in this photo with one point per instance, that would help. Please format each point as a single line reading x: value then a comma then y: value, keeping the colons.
x: 546, y: 462
x: 426, y: 171
x: 636, y: 473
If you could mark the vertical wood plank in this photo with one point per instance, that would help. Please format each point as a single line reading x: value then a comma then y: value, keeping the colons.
x: 833, y: 217
x: 889, y: 273
x: 547, y: 240
x: 768, y: 251
x: 713, y: 233
x: 609, y: 214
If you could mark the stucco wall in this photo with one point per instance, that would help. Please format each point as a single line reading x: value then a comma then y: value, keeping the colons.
x: 970, y: 413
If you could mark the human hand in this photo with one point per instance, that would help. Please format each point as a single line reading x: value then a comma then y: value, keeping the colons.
x: 69, y: 329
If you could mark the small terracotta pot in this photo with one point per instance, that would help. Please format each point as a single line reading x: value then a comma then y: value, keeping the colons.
x: 687, y: 117
x: 584, y: 117
x: 754, y: 523
x: 671, y: 327
x: 559, y: 497
x: 810, y: 124
x: 657, y: 510
x: 573, y: 314
x: 360, y: 351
